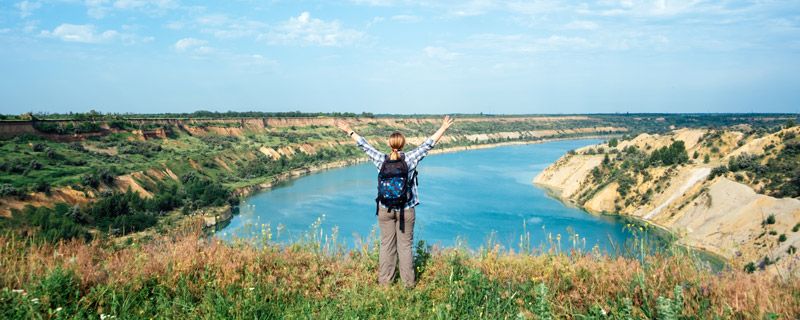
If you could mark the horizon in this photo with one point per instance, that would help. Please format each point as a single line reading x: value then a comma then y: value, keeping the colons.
x: 364, y: 114
x: 400, y: 57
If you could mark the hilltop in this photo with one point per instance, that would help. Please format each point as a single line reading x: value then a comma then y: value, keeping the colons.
x: 733, y: 191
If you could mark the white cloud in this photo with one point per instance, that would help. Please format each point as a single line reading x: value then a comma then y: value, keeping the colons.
x: 440, y: 53
x: 98, y: 9
x: 26, y: 8
x: 658, y: 8
x: 526, y: 44
x: 84, y: 33
x: 305, y: 30
x: 187, y: 44
x: 473, y: 8
x: 405, y: 18
x: 225, y: 27
x: 139, y: 4
x: 582, y: 25
x: 87, y: 33
x: 375, y: 20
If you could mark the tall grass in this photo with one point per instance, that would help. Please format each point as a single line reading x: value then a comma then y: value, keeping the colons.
x: 185, y: 274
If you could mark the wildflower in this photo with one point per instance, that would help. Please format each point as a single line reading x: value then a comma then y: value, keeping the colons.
x: 251, y: 288
x: 58, y: 309
x: 18, y: 291
x: 35, y: 300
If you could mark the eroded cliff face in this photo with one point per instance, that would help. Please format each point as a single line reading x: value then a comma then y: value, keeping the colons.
x: 721, y: 213
x: 146, y: 182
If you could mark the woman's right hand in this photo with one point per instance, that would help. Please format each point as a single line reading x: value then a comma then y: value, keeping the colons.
x: 343, y: 125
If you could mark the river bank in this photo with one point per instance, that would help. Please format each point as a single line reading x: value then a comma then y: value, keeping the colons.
x: 716, y: 260
x: 245, y: 191
x: 702, y: 200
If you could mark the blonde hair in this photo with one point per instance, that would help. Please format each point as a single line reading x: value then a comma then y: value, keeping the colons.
x: 396, y: 142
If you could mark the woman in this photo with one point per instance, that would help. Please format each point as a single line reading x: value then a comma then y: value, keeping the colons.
x: 397, y: 226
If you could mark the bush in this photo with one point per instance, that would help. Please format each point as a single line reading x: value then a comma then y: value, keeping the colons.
x: 667, y: 156
x: 782, y: 238
x: 746, y: 162
x: 750, y: 267
x: 61, y: 287
x: 42, y: 186
x: 203, y: 192
x: 7, y: 190
x: 770, y: 219
x: 718, y: 171
x: 46, y: 224
x: 90, y: 180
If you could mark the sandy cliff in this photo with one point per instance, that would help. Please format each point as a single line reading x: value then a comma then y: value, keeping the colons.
x: 720, y: 214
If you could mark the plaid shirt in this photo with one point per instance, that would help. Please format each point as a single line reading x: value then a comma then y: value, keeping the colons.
x: 412, y: 159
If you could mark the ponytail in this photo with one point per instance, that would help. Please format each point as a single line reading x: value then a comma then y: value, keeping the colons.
x: 396, y: 142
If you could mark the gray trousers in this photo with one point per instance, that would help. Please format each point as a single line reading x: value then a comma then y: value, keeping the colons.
x: 396, y: 245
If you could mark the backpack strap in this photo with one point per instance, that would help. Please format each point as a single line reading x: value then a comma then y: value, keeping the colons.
x: 402, y: 220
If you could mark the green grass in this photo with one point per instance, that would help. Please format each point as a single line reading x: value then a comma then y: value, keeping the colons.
x: 182, y: 275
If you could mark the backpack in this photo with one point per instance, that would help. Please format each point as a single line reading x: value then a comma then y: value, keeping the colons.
x: 394, y: 187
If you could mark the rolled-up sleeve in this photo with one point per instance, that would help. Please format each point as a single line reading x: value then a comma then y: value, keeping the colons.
x: 374, y: 155
x: 414, y: 156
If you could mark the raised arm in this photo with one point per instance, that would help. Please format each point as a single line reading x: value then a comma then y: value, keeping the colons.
x: 414, y: 156
x: 344, y: 126
x: 376, y: 156
x: 446, y: 123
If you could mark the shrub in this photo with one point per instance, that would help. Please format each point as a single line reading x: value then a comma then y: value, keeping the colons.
x: 57, y: 289
x: 38, y: 147
x: 796, y: 227
x: 541, y: 307
x: 42, y: 186
x: 671, y: 155
x: 770, y: 219
x: 48, y: 224
x: 7, y: 190
x: 750, y: 267
x: 782, y: 238
x: 791, y: 250
x: 671, y: 308
x: 718, y: 171
x: 90, y: 180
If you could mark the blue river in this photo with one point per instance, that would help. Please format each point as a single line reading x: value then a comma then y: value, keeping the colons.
x: 469, y: 198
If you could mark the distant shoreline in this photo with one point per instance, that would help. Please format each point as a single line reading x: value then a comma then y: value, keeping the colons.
x: 249, y: 190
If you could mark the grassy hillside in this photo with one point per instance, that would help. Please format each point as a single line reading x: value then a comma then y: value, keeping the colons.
x: 80, y: 184
x: 177, y: 276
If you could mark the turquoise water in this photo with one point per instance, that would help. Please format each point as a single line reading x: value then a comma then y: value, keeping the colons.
x: 466, y: 197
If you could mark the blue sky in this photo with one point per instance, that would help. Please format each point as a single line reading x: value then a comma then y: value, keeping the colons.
x: 388, y: 56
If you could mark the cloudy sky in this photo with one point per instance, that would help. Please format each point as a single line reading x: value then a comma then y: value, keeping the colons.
x: 388, y: 56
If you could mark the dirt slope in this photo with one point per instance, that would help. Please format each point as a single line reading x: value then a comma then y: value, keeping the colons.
x: 720, y: 215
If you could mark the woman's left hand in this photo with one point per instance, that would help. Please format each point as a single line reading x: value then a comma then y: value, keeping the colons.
x: 447, y: 122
